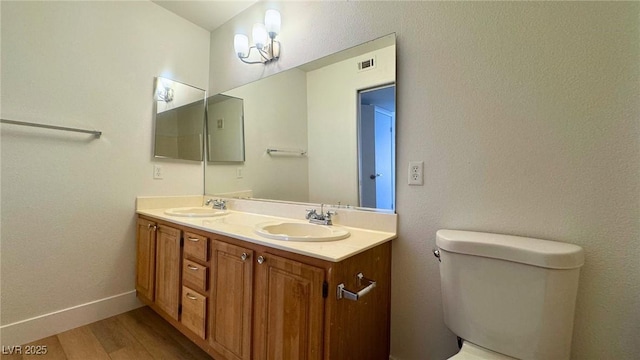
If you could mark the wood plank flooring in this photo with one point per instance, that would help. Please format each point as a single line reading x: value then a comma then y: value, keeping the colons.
x: 139, y: 334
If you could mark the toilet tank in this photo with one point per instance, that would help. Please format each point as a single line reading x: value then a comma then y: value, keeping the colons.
x: 510, y: 294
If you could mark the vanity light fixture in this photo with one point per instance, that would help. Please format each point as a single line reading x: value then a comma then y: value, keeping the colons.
x: 263, y: 36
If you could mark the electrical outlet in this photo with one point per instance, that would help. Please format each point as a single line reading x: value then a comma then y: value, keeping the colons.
x: 158, y: 173
x: 416, y: 172
x: 239, y: 172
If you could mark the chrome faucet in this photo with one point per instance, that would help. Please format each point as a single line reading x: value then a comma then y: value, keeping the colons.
x: 217, y: 204
x: 322, y: 218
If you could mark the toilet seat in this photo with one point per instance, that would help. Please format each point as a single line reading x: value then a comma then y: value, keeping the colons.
x: 470, y: 351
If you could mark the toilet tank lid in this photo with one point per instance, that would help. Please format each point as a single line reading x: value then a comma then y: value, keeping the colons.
x: 542, y: 253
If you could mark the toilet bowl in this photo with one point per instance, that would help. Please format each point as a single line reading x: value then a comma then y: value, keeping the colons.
x: 471, y: 351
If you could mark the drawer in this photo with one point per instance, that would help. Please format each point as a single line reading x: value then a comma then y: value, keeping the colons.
x: 195, y: 275
x: 194, y: 311
x: 196, y: 246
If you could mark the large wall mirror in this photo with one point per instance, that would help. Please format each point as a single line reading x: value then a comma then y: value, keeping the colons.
x: 179, y: 120
x: 320, y: 133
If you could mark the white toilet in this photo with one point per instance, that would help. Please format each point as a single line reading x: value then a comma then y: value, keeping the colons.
x: 508, y: 297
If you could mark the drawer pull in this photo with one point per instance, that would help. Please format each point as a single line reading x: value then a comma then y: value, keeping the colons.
x: 193, y: 239
x: 244, y: 256
x: 191, y: 297
x: 191, y: 267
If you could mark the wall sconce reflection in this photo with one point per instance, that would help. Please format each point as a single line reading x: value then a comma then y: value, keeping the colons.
x: 163, y: 91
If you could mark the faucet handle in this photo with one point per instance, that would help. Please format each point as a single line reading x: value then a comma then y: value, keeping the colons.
x: 208, y: 202
x: 311, y: 213
x: 220, y: 203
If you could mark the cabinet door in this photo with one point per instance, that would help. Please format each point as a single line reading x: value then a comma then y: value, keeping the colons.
x: 231, y: 300
x: 289, y: 310
x: 168, y: 270
x: 145, y: 258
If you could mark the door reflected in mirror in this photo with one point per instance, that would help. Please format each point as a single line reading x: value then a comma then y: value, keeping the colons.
x: 377, y: 146
x: 313, y: 110
x: 179, y: 120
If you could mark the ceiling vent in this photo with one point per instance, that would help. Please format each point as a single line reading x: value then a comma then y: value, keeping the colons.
x: 367, y: 64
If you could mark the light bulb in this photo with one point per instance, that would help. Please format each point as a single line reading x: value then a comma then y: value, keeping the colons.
x: 241, y: 45
x: 259, y: 35
x: 272, y: 22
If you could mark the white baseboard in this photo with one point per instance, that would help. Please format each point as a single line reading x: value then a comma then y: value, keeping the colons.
x: 26, y: 331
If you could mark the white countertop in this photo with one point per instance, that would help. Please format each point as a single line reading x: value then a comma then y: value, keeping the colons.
x: 240, y: 225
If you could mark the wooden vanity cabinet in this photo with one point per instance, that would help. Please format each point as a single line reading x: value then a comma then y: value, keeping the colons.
x: 158, y: 265
x: 267, y: 304
x: 168, y: 263
x: 145, y: 258
x: 231, y: 299
x: 299, y: 316
x: 289, y: 309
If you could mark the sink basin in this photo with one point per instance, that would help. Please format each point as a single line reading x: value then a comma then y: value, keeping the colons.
x: 293, y: 231
x: 195, y: 212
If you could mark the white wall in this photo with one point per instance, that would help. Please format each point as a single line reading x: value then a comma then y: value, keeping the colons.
x: 333, y: 127
x: 68, y: 200
x: 526, y: 115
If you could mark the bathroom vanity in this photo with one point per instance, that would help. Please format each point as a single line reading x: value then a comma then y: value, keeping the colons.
x: 239, y: 295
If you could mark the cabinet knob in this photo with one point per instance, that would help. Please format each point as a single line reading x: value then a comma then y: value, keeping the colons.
x: 152, y: 227
x: 244, y: 256
x: 261, y: 259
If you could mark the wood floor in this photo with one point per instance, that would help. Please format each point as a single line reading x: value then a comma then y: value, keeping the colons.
x: 137, y: 334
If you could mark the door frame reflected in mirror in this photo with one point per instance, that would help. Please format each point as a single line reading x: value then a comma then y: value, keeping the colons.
x: 376, y: 147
